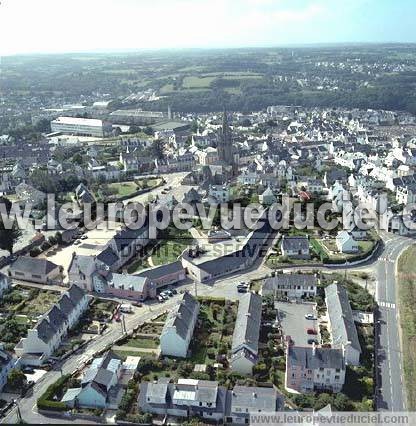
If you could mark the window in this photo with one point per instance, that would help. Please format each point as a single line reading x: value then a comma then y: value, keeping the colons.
x: 36, y: 276
x: 336, y: 377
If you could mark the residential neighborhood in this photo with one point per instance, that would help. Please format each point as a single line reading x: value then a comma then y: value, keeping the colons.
x: 206, y: 235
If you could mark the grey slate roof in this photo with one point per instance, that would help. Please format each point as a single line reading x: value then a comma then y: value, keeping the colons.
x: 84, y: 194
x: 56, y: 317
x: 45, y: 330
x: 126, y: 282
x: 181, y: 315
x: 127, y: 236
x: 322, y: 358
x: 161, y: 271
x: 33, y: 265
x: 295, y: 243
x: 340, y: 315
x: 101, y: 376
x: 239, y: 259
x: 76, y: 293
x: 253, y: 399
x: 108, y: 256
x: 289, y: 281
x: 65, y: 305
x: 247, y: 326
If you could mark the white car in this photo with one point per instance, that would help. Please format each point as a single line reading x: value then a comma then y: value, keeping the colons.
x: 310, y: 317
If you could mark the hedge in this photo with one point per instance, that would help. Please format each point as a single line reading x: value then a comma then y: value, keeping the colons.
x: 46, y: 402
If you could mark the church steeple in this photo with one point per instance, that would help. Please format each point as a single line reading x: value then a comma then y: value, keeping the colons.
x: 225, y: 145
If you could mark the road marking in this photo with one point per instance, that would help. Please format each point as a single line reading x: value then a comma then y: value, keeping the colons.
x: 387, y: 305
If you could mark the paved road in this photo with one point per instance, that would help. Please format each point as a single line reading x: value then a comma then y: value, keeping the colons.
x: 28, y: 404
x: 391, y: 394
x: 389, y: 355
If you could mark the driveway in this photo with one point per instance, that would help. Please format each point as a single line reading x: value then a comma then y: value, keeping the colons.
x: 293, y: 321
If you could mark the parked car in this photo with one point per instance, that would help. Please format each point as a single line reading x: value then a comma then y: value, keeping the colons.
x: 84, y: 237
x: 242, y: 289
x: 310, y: 317
x: 28, y: 370
x: 312, y: 341
x: 311, y: 331
x: 160, y: 299
x: 164, y: 295
x: 174, y: 291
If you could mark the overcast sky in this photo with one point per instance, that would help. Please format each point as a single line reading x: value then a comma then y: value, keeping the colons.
x: 31, y: 26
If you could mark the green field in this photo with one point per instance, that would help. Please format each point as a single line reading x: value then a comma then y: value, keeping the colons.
x: 123, y: 189
x: 138, y: 342
x: 407, y: 300
x: 195, y: 82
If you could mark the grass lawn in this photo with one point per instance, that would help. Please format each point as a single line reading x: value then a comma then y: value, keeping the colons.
x: 28, y: 301
x: 137, y: 265
x: 138, y: 342
x: 330, y: 248
x: 101, y: 310
x: 173, y: 243
x: 217, y: 319
x: 124, y: 354
x: 123, y: 189
x: 407, y: 302
x: 195, y: 82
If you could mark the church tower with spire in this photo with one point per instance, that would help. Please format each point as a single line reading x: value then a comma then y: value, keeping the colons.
x: 225, y: 144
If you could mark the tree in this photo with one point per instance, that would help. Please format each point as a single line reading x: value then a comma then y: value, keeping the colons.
x: 16, y: 379
x: 8, y: 237
x: 148, y: 130
x: 156, y: 150
x: 42, y: 181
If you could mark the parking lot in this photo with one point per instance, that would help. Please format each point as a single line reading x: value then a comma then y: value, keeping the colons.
x: 293, y: 321
x: 93, y: 244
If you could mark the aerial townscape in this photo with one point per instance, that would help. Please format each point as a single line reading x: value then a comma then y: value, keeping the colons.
x: 203, y: 236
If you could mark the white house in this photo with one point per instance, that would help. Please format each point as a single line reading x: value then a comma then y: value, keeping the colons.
x: 267, y: 197
x: 35, y: 270
x: 47, y: 335
x: 291, y: 286
x: 100, y: 378
x: 179, y: 327
x: 244, y: 348
x: 310, y: 369
x: 4, y: 284
x: 295, y: 247
x: 341, y: 323
x: 346, y: 243
x: 7, y: 362
x: 406, y: 194
x: 220, y: 194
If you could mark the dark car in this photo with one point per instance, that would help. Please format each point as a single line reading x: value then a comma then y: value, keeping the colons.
x: 311, y: 331
x: 312, y: 341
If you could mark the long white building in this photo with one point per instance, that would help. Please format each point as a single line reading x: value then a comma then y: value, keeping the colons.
x: 81, y: 126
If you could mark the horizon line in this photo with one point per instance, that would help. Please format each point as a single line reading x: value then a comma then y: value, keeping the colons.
x: 207, y: 48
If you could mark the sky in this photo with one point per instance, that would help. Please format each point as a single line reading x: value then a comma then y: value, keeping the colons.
x: 59, y: 26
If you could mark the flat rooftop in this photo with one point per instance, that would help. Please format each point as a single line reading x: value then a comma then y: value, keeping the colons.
x: 78, y: 121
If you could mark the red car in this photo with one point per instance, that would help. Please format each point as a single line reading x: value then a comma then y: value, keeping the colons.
x: 311, y: 331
